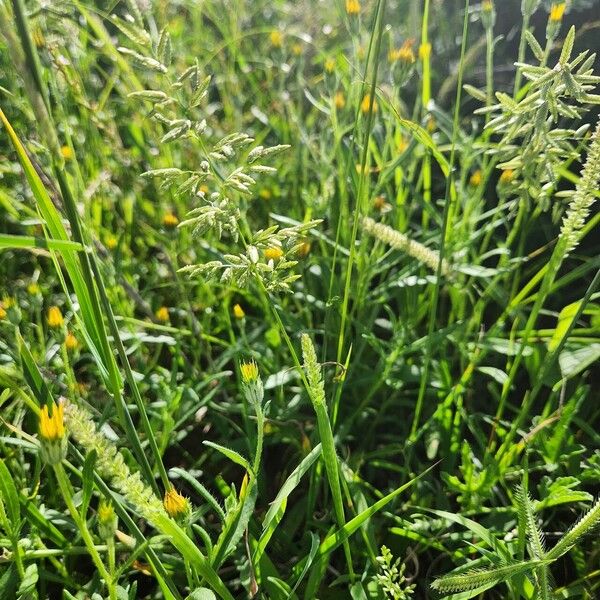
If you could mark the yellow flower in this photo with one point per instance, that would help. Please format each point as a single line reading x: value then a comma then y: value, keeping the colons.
x: 71, y: 341
x: 557, y: 11
x: 107, y: 520
x: 2, y: 312
x: 487, y: 5
x: 52, y: 428
x: 249, y: 371
x: 297, y: 49
x: 303, y: 249
x: 203, y: 188
x: 55, y: 318
x: 66, y: 152
x: 265, y: 194
x: 8, y: 302
x: 403, y: 54
x: 507, y: 176
x: 365, y: 105
x: 111, y: 242
x: 176, y: 505
x: 475, y: 178
x: 170, y: 220
x: 33, y: 289
x: 424, y: 51
x: 352, y: 7
x: 330, y: 64
x: 238, y: 311
x: 276, y: 38
x: 339, y: 100
x: 162, y: 314
x: 273, y: 253
x: 380, y: 204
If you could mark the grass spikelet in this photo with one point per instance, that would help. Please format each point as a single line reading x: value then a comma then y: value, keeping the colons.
x: 399, y: 241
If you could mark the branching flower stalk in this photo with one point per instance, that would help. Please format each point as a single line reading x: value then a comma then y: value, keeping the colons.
x: 316, y: 390
x: 582, y: 200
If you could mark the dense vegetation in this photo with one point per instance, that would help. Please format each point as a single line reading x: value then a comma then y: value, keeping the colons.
x: 299, y: 299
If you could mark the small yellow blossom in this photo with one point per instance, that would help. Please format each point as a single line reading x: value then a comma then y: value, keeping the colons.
x: 238, y: 311
x: 249, y: 371
x: 424, y: 51
x: 2, y: 313
x: 170, y: 220
x: 380, y: 204
x: 107, y: 520
x: 276, y: 38
x: 111, y: 242
x: 365, y: 105
x: 8, y: 302
x: 71, y: 341
x: 66, y: 152
x: 54, y: 317
x: 557, y: 11
x: 475, y: 178
x: 330, y: 65
x: 339, y: 100
x: 203, y: 189
x: 162, y: 314
x: 33, y: 289
x: 303, y: 249
x: 352, y: 7
x: 487, y: 6
x: 52, y: 428
x: 297, y: 49
x: 176, y: 505
x: 273, y: 253
x: 403, y: 54
x: 265, y: 194
x: 507, y: 176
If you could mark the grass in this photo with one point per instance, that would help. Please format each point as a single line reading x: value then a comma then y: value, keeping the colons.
x: 295, y: 305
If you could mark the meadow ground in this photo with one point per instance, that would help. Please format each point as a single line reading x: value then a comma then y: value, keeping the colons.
x: 299, y: 299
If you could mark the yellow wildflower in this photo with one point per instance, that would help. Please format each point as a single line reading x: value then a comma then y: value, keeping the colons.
x: 176, y: 505
x: 66, y: 152
x: 238, y: 311
x: 162, y: 314
x: 507, y: 176
x: 52, y: 428
x: 557, y: 11
x: 352, y: 7
x: 276, y: 38
x: 475, y: 178
x: 249, y: 371
x: 71, y: 341
x: 110, y: 242
x: 303, y: 249
x: 339, y: 100
x: 2, y: 313
x: 33, y: 289
x: 107, y: 520
x: 203, y: 188
x: 297, y: 49
x: 403, y: 54
x: 54, y: 317
x: 273, y: 253
x: 170, y: 220
x: 265, y: 194
x: 365, y: 105
x: 330, y: 65
x: 487, y: 5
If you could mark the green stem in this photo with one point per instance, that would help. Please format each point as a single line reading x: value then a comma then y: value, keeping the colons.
x: 65, y: 489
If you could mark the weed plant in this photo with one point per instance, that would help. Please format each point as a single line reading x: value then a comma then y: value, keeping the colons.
x: 299, y: 300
